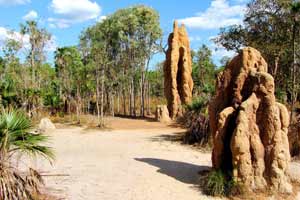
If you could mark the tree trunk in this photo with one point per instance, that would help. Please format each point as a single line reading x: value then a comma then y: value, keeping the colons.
x: 149, y: 96
x: 97, y: 97
x: 112, y: 106
x: 294, y: 98
x: 102, y: 99
x: 143, y: 95
x: 118, y: 106
x: 133, y: 97
x: 124, y: 102
x: 276, y: 66
x: 144, y: 71
x: 78, y: 105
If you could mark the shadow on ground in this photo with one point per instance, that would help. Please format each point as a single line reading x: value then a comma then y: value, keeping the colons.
x: 181, y: 171
x: 146, y: 118
x: 177, y: 137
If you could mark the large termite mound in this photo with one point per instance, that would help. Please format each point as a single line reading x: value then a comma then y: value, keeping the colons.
x: 178, y: 71
x: 249, y: 127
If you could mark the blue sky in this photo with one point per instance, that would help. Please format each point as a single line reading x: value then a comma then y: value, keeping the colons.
x: 65, y: 19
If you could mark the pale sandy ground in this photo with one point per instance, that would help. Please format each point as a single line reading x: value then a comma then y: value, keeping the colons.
x: 129, y: 164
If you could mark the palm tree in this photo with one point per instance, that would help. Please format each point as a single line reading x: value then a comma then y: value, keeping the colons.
x: 15, y: 136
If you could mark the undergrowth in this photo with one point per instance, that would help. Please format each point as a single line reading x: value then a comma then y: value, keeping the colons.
x: 218, y: 183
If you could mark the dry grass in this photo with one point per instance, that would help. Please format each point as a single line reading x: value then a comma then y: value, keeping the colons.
x: 266, y: 194
x: 15, y: 185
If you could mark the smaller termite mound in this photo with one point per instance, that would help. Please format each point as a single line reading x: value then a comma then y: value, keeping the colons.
x: 178, y: 71
x: 249, y: 127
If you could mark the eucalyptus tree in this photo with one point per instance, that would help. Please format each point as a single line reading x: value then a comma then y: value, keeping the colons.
x: 269, y: 27
x: 139, y: 35
x: 69, y: 68
x: 38, y: 39
x: 94, y: 41
x: 295, y: 12
x: 121, y: 47
x: 10, y: 84
x: 203, y: 71
x: 133, y: 33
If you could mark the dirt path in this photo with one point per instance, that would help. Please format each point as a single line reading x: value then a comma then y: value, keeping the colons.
x: 140, y: 164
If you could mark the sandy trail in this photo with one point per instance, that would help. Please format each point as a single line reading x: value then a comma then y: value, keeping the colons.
x: 129, y: 164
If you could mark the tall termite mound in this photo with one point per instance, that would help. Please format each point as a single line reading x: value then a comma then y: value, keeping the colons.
x: 249, y: 127
x: 178, y: 71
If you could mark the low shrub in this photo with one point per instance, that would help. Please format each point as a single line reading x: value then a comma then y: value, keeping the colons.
x: 218, y: 183
x: 198, y: 104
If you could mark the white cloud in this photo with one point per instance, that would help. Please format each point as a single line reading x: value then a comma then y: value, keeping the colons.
x: 31, y: 15
x: 73, y: 11
x: 13, y: 2
x: 219, y: 14
x: 51, y: 45
x: 24, y: 39
x: 242, y: 1
x: 59, y: 23
x: 6, y: 34
x: 218, y: 52
x: 101, y: 18
x: 195, y: 38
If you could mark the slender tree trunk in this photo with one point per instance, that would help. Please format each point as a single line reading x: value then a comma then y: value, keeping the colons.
x: 112, y: 105
x: 118, y: 106
x: 124, y: 101
x: 102, y: 98
x: 97, y: 97
x: 294, y: 96
x: 276, y: 66
x: 141, y: 98
x: 143, y: 95
x: 133, y: 98
x: 124, y: 92
x: 144, y: 71
x: 88, y: 106
x: 130, y: 99
x: 78, y: 105
x: 32, y: 63
x: 149, y: 98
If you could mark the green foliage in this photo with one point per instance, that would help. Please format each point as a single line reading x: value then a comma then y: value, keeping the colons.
x: 156, y: 79
x: 198, y: 104
x: 281, y: 95
x: 15, y: 136
x: 8, y: 91
x: 203, y: 71
x: 216, y: 183
x: 272, y: 27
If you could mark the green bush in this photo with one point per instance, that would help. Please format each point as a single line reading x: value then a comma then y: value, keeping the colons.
x: 197, y: 104
x: 216, y: 183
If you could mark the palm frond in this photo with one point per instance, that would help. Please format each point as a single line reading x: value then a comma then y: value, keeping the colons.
x: 15, y: 136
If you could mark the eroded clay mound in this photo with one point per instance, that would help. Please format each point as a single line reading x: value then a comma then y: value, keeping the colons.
x: 178, y: 71
x: 249, y: 127
x: 162, y: 114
